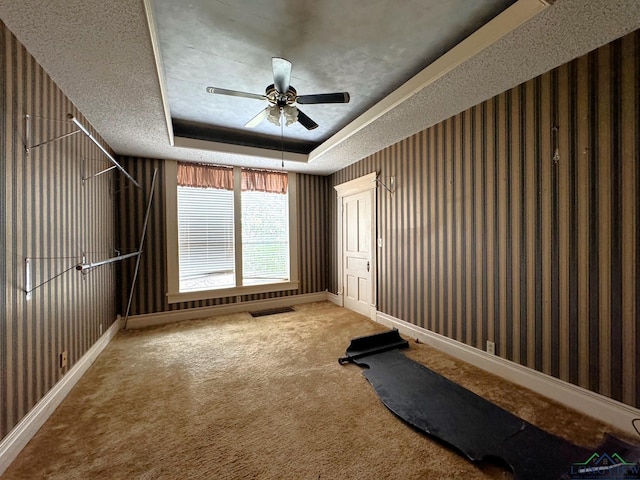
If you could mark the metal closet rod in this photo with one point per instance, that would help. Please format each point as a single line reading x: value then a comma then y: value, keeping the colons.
x: 88, y: 266
x: 142, y: 237
x: 104, y: 150
x: 83, y: 267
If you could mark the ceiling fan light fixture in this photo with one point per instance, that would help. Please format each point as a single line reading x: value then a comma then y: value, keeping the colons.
x: 290, y: 114
x: 274, y: 114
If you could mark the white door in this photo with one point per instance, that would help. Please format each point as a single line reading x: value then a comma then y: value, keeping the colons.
x: 357, y: 251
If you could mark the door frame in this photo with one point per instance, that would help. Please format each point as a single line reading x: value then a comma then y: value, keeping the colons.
x: 352, y: 187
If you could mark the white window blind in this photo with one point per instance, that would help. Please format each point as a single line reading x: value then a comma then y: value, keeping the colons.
x: 205, y: 238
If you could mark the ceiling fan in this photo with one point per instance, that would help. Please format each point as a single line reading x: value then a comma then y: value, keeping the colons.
x: 282, y: 98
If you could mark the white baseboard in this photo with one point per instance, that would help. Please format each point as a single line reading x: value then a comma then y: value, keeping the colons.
x: 603, y: 408
x: 335, y: 298
x: 20, y: 435
x: 161, y: 318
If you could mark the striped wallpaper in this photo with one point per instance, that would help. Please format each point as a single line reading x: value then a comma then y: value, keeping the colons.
x: 518, y: 221
x: 151, y: 287
x: 48, y: 215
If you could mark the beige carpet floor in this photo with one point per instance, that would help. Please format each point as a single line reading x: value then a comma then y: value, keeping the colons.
x: 237, y: 397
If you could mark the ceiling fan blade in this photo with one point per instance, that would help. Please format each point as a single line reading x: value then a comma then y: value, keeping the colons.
x: 281, y: 74
x: 235, y: 93
x: 305, y: 121
x: 338, y: 97
x: 257, y: 119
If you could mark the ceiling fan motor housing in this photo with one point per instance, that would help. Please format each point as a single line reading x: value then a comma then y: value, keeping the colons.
x: 281, y: 99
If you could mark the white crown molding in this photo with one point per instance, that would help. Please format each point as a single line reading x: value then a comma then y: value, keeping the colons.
x: 155, y: 44
x: 509, y: 20
x: 360, y: 184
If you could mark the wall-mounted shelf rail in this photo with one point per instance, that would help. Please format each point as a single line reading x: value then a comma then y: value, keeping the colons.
x: 104, y: 150
x: 85, y: 267
x: 29, y: 132
x: 28, y: 275
x: 82, y: 265
x: 83, y: 129
x: 86, y: 176
x: 392, y: 184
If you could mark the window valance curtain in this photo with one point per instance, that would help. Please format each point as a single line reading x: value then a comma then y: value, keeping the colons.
x: 205, y: 176
x: 264, y: 181
x: 210, y: 176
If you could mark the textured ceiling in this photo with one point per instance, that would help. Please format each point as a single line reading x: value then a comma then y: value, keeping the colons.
x: 365, y: 48
x: 100, y: 53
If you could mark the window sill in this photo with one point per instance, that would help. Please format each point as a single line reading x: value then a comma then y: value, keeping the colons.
x: 231, y: 292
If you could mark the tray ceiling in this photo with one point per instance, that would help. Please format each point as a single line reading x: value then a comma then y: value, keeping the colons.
x: 137, y: 70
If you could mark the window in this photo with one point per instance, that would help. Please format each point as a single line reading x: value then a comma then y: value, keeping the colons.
x: 230, y: 231
x: 265, y: 237
x: 205, y: 238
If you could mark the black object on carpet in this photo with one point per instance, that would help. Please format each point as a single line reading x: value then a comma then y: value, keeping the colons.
x: 271, y: 311
x: 476, y: 427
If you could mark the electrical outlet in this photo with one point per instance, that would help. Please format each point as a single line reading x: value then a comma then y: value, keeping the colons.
x: 491, y: 347
x: 63, y: 359
x: 100, y: 329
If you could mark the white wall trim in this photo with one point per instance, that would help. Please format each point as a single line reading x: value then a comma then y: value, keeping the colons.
x: 171, y: 225
x: 352, y: 187
x: 20, y: 435
x: 161, y: 318
x: 508, y: 21
x: 155, y: 44
x: 173, y: 262
x: 360, y: 184
x: 610, y: 411
x: 335, y: 298
x: 235, y: 291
